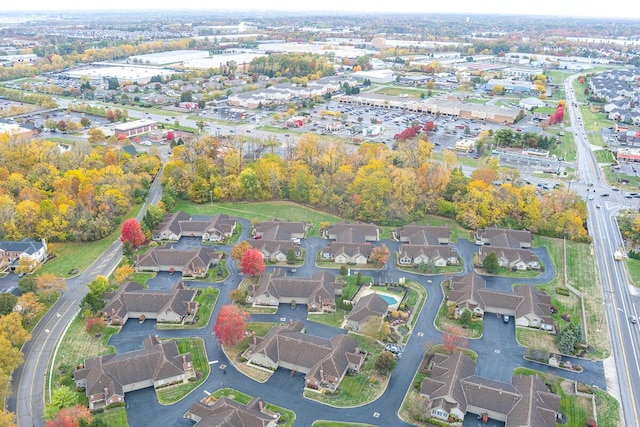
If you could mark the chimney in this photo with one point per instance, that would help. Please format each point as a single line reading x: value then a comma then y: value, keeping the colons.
x: 184, y: 359
x: 290, y: 322
x: 321, y: 375
x: 106, y: 392
x: 261, y: 405
x: 255, y: 340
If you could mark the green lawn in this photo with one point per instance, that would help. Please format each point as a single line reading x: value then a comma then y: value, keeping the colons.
x: 142, y: 277
x: 116, y: 417
x: 195, y: 346
x: 77, y: 256
x: 633, y: 267
x: 206, y: 299
x: 263, y: 211
x: 323, y: 423
x: 604, y: 156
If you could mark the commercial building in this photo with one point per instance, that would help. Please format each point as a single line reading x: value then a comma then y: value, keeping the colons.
x: 136, y: 127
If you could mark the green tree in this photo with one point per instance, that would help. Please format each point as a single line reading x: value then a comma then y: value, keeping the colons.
x: 7, y: 302
x: 465, y: 318
x: 291, y: 256
x: 490, y: 263
x: 385, y: 363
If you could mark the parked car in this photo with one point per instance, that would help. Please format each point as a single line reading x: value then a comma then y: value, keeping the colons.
x: 505, y: 318
x: 633, y: 319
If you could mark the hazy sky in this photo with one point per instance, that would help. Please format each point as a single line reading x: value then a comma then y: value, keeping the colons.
x: 626, y: 9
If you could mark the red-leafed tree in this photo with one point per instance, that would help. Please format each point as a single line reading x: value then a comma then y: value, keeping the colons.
x: 230, y: 324
x: 252, y: 262
x: 70, y: 417
x: 132, y: 233
x: 429, y: 126
x: 452, y: 339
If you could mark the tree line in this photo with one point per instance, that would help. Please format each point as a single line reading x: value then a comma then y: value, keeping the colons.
x: 370, y: 184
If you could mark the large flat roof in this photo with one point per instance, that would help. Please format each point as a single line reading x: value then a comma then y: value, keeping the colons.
x: 121, y: 72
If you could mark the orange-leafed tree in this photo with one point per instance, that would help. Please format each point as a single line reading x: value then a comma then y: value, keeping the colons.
x: 452, y: 339
x: 230, y: 324
x: 132, y: 232
x: 252, y: 262
x: 70, y: 417
x: 238, y: 251
x: 379, y: 255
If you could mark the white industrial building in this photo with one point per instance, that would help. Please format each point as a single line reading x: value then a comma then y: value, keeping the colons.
x: 169, y: 57
x: 375, y: 76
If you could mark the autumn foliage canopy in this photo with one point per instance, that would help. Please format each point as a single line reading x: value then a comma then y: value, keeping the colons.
x: 132, y: 233
x: 230, y: 325
x: 252, y: 262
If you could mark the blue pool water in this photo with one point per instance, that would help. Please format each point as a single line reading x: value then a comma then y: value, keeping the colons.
x: 389, y: 299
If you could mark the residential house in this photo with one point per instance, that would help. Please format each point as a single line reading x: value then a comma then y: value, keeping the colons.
x: 11, y: 252
x: 279, y: 230
x: 438, y: 256
x: 225, y: 412
x: 352, y: 233
x: 347, y: 253
x: 453, y: 389
x: 133, y: 301
x: 317, y: 292
x: 506, y: 238
x: 107, y: 378
x: 371, y: 306
x: 514, y: 259
x: 275, y: 250
x: 324, y: 361
x: 180, y: 224
x: 190, y: 262
x: 535, y: 309
x: 464, y: 292
x: 423, y: 235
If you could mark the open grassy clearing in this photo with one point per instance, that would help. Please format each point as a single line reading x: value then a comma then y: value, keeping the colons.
x: 604, y: 156
x: 581, y: 274
x: 264, y: 211
x: 116, y: 417
x: 633, y: 268
x: 195, y: 346
x: 323, y: 423
x: 74, y: 257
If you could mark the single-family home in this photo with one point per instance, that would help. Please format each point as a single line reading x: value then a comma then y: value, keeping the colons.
x: 535, y: 309
x: 324, y: 361
x: 133, y: 301
x: 370, y: 306
x: 279, y: 230
x: 180, y: 224
x: 438, y: 256
x: 317, y: 292
x: 453, y: 389
x: 11, y: 252
x: 347, y: 253
x: 423, y: 235
x: 275, y: 250
x: 515, y: 259
x: 224, y: 412
x: 352, y: 233
x: 190, y: 262
x: 107, y: 378
x: 506, y: 238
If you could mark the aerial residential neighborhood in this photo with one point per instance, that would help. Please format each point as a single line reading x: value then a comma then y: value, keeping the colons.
x: 272, y: 218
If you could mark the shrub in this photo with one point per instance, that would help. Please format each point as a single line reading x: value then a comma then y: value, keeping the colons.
x: 563, y: 291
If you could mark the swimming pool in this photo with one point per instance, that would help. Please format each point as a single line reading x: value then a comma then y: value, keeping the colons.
x: 391, y: 300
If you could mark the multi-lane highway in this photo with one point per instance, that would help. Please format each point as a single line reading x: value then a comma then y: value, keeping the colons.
x: 619, y: 299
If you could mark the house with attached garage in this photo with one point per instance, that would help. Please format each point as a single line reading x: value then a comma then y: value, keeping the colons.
x: 107, y: 378
x: 347, y: 253
x: 371, y: 306
x: 190, y: 262
x: 11, y: 252
x: 452, y: 389
x: 514, y: 259
x: 352, y: 233
x: 275, y: 250
x: 317, y: 292
x: 133, y: 301
x: 504, y: 237
x: 422, y: 235
x: 180, y: 224
x: 324, y: 361
x: 438, y: 256
x: 224, y: 412
x: 279, y: 230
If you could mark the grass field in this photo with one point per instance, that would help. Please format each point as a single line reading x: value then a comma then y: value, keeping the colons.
x: 323, y: 423
x: 633, y: 267
x: 580, y: 272
x: 77, y: 256
x: 195, y: 346
x: 116, y: 417
x: 264, y: 211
